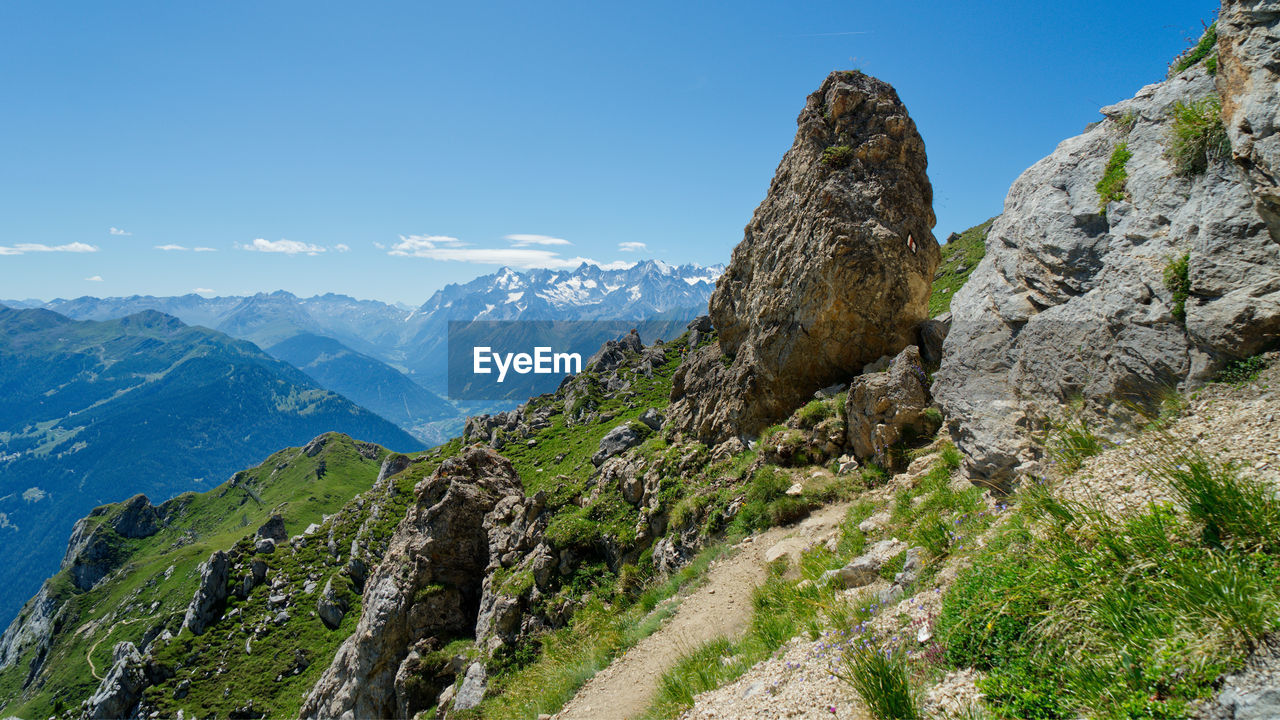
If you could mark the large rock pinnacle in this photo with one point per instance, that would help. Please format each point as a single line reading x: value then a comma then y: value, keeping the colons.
x: 833, y: 271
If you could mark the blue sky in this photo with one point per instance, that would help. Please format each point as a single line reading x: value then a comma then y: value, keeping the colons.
x: 384, y: 149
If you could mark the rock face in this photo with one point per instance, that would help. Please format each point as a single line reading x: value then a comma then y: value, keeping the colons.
x: 211, y: 596
x: 1070, y: 300
x: 833, y: 271
x: 92, y: 551
x: 122, y: 688
x: 883, y: 407
x: 1248, y: 81
x: 427, y: 584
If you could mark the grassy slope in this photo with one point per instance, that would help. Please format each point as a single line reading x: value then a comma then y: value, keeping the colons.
x: 959, y: 258
x: 120, y: 608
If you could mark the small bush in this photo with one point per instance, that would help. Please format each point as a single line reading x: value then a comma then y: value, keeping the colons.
x: 881, y: 678
x: 1198, y: 136
x: 1242, y: 371
x: 1177, y: 280
x: 837, y: 156
x: 1111, y: 186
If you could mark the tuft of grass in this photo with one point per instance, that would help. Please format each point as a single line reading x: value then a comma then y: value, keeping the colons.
x: 1204, y: 49
x: 837, y: 156
x: 1111, y: 186
x: 880, y: 677
x: 1071, y: 442
x: 1231, y: 511
x: 1197, y: 136
x: 1177, y: 280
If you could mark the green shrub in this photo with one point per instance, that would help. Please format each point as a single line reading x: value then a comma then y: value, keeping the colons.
x: 1111, y: 186
x: 1177, y: 280
x: 1242, y: 371
x: 815, y: 412
x: 837, y: 156
x: 1205, y: 49
x: 881, y: 678
x: 1197, y: 135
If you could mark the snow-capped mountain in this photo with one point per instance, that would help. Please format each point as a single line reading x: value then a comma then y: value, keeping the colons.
x: 412, y: 340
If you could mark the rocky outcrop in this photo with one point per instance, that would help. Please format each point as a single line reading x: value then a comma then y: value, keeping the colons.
x: 833, y: 271
x: 886, y: 407
x: 428, y: 584
x: 93, y: 550
x: 273, y: 529
x: 211, y: 595
x: 1071, y: 299
x: 1248, y: 81
x: 122, y: 687
x: 521, y: 571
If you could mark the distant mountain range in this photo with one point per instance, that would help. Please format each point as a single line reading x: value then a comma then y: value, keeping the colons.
x: 345, y: 344
x: 95, y: 411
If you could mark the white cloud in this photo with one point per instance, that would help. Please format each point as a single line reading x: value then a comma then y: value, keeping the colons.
x: 632, y: 246
x: 203, y: 291
x: 445, y: 248
x: 168, y: 248
x: 118, y: 231
x: 616, y: 265
x: 287, y: 247
x: 341, y: 247
x: 522, y: 240
x: 94, y: 278
x: 23, y: 248
x: 380, y: 246
x: 204, y: 249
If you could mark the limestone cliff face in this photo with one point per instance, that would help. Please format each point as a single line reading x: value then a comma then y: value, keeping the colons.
x: 1249, y: 82
x: 428, y: 584
x: 1071, y: 299
x: 833, y: 271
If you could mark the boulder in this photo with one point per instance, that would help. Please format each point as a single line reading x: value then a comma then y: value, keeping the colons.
x: 885, y: 407
x: 652, y: 418
x: 427, y: 584
x: 331, y: 605
x: 471, y: 692
x: 834, y: 270
x: 211, y: 594
x: 121, y: 689
x: 264, y: 546
x: 1070, y: 300
x: 865, y: 569
x: 933, y: 333
x: 616, y: 441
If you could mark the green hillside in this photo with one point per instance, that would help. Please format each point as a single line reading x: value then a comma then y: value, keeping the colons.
x: 960, y: 256
x: 91, y: 412
x: 157, y: 575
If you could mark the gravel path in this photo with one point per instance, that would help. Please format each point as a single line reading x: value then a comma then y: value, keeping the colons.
x: 720, y: 607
